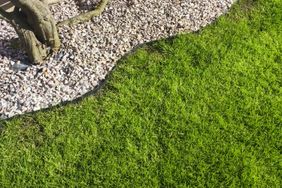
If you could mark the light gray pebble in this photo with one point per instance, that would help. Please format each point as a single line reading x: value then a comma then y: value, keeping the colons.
x: 90, y: 50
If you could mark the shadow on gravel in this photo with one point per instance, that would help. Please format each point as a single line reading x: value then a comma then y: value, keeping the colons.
x: 101, y: 84
x: 85, y: 5
x: 11, y: 50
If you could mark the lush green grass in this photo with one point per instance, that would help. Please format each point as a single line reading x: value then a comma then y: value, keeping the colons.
x: 201, y: 110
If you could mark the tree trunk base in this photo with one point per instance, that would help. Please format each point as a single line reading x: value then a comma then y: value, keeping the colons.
x: 37, y: 28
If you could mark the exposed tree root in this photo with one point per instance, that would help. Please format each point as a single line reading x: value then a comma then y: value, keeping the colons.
x: 50, y: 2
x: 37, y: 28
x: 5, y: 15
x: 85, y: 16
x: 34, y: 48
x: 40, y: 19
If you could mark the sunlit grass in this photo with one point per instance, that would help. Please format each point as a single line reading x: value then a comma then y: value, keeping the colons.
x: 202, y: 109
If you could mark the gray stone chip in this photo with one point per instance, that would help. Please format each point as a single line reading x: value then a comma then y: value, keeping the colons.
x: 90, y: 50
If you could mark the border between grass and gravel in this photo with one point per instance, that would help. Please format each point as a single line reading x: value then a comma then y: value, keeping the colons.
x: 101, y: 84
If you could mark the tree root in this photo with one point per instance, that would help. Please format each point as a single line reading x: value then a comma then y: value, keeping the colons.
x: 85, y: 16
x: 36, y: 26
x: 50, y: 2
x: 35, y: 49
x: 41, y: 21
x: 5, y: 15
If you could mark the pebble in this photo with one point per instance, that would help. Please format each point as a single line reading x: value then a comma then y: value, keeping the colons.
x: 90, y: 50
x: 19, y: 66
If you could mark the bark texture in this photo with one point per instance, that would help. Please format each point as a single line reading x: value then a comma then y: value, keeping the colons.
x: 35, y: 49
x: 86, y: 16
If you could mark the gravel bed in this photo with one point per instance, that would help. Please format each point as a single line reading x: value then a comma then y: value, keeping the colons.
x: 90, y: 50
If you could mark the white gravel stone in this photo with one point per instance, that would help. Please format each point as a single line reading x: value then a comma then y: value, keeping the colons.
x: 90, y: 50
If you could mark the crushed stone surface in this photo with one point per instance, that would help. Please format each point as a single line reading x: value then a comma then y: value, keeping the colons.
x: 90, y: 50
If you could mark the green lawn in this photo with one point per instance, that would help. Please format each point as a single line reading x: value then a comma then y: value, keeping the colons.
x: 202, y: 109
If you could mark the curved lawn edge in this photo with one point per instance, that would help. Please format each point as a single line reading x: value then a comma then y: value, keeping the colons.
x: 88, y: 52
x: 198, y: 110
